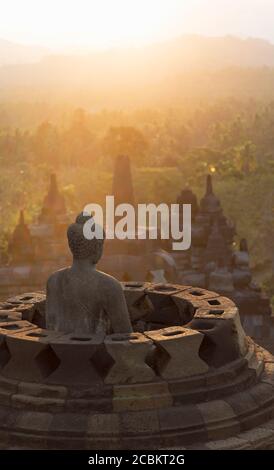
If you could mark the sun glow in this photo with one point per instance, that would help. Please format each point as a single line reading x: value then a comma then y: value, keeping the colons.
x: 92, y: 23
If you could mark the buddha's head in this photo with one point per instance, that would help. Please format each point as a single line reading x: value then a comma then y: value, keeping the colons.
x: 80, y: 246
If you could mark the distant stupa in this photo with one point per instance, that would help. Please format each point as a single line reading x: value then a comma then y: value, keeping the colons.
x: 122, y: 186
x: 54, y: 203
x: 21, y: 249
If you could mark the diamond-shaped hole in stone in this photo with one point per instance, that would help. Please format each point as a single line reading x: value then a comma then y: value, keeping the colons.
x: 37, y: 335
x: 124, y: 337
x: 4, y: 354
x: 134, y: 285
x: 196, y: 293
x: 173, y: 333
x: 214, y: 302
x: 47, y: 361
x: 216, y: 312
x: 164, y: 288
x: 80, y: 338
x: 3, y: 316
x: 102, y: 361
x: 12, y: 327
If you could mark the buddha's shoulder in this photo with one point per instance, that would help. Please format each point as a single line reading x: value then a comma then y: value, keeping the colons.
x: 58, y: 276
x: 108, y: 281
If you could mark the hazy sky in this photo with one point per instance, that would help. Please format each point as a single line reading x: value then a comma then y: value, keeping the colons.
x: 104, y: 23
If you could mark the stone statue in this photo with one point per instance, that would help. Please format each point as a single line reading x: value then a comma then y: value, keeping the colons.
x: 80, y: 299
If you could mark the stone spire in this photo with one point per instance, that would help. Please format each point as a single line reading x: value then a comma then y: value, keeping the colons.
x: 54, y: 203
x: 122, y: 187
x: 21, y: 244
x: 210, y: 204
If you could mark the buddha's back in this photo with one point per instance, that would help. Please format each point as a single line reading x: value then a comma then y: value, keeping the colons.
x: 82, y: 300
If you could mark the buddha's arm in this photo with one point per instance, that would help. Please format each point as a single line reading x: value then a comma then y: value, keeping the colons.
x: 116, y: 308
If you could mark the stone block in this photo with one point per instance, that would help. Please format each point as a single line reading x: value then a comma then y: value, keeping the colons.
x: 254, y: 362
x: 31, y: 359
x: 129, y: 352
x: 268, y: 374
x: 8, y: 385
x: 14, y: 327
x: 243, y: 404
x: 139, y: 422
x: 5, y: 398
x: 28, y: 403
x: 220, y: 419
x: 181, y: 418
x: 193, y: 294
x: 28, y: 297
x: 34, y: 421
x: 230, y: 313
x: 9, y: 316
x: 137, y: 301
x: 76, y: 357
x: 232, y: 443
x: 177, y: 352
x: 263, y: 394
x: 259, y: 437
x: 103, y: 424
x: 141, y: 396
x: 70, y: 424
x: 165, y: 311
x: 42, y: 390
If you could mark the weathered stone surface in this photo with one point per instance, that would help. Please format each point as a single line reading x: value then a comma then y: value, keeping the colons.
x: 71, y: 424
x: 243, y: 405
x: 263, y: 394
x: 103, y: 424
x: 35, y: 421
x: 138, y: 303
x: 178, y: 352
x: 232, y: 443
x: 193, y: 294
x: 12, y: 328
x: 226, y: 311
x: 254, y: 361
x: 10, y: 315
x: 71, y: 406
x: 182, y: 417
x: 31, y: 357
x: 129, y: 353
x: 268, y: 374
x: 75, y: 359
x: 141, y: 396
x: 144, y: 422
x: 42, y: 390
x: 27, y: 402
x: 220, y: 419
x: 259, y: 437
x: 4, y: 352
x: 166, y: 310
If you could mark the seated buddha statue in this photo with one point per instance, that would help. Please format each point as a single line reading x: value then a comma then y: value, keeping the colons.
x: 81, y: 299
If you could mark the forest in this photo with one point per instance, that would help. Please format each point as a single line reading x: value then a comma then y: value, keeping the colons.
x: 170, y: 148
